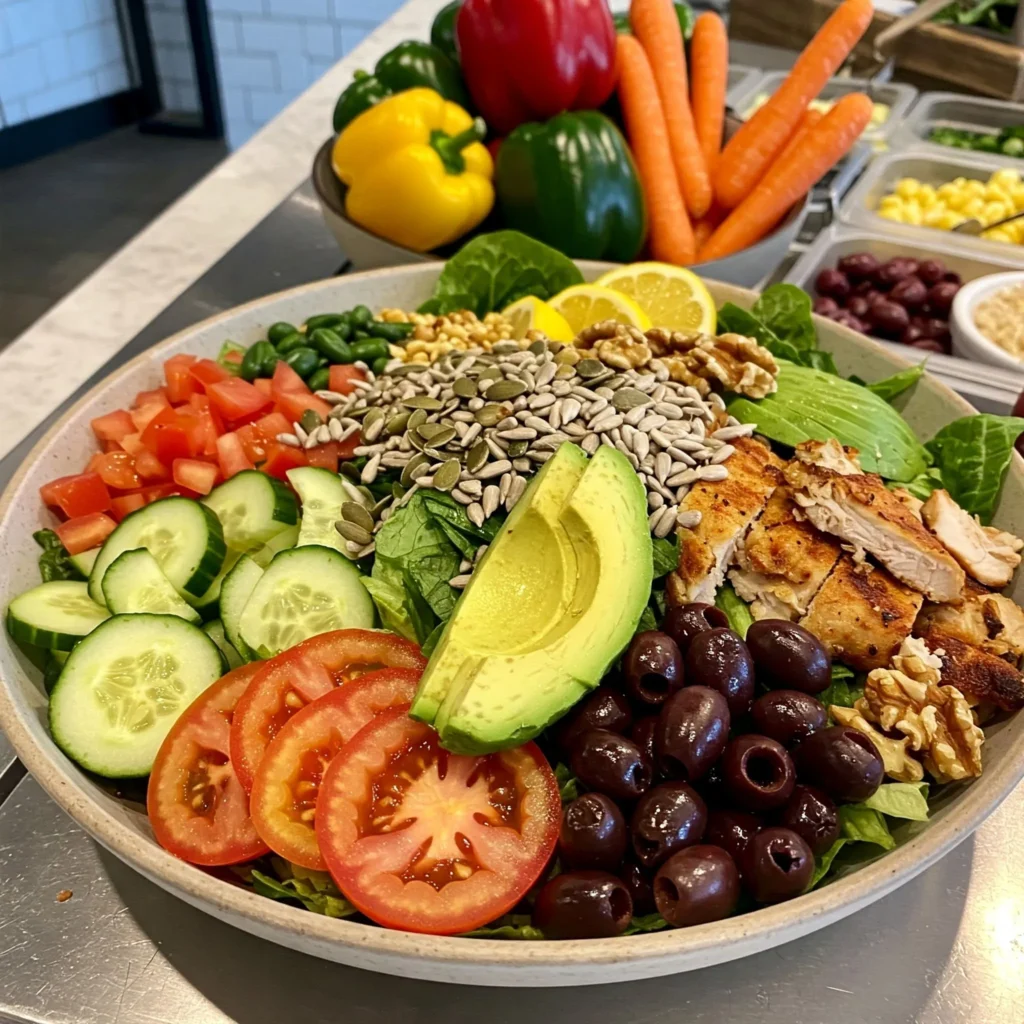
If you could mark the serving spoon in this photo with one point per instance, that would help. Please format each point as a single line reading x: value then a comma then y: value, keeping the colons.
x: 974, y: 227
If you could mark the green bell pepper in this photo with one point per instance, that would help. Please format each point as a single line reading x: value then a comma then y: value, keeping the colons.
x: 442, y: 32
x: 571, y: 182
x: 684, y: 12
x: 409, y: 65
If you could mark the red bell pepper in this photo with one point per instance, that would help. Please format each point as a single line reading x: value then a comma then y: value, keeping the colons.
x: 527, y: 60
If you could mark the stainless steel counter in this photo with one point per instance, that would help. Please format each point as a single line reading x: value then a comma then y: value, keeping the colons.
x: 948, y: 948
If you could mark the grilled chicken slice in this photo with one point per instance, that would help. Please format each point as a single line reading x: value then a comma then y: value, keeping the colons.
x: 981, y: 677
x: 989, y: 555
x: 782, y: 561
x: 727, y: 508
x: 980, y: 618
x: 862, y: 614
x: 859, y: 509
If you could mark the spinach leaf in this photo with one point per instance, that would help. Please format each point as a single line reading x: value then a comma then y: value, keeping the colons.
x: 973, y: 455
x: 786, y: 310
x: 841, y: 690
x: 647, y: 620
x: 865, y: 825
x: 924, y: 483
x: 443, y: 506
x: 491, y: 271
x: 315, y: 890
x: 666, y: 556
x: 511, y: 926
x: 736, y: 610
x: 568, y: 784
x: 889, y: 387
x: 824, y: 862
x: 900, y: 800
x: 54, y: 563
x: 646, y: 923
x: 818, y: 360
x: 390, y: 601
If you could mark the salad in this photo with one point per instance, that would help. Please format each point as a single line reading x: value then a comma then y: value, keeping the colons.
x: 526, y: 638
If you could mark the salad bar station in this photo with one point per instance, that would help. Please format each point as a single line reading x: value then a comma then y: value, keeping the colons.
x: 579, y: 597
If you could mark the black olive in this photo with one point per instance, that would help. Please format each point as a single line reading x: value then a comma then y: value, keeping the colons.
x: 605, y: 708
x: 842, y: 761
x: 642, y: 734
x: 638, y: 882
x: 813, y: 816
x: 693, y: 728
x: 667, y: 818
x: 593, y: 833
x: 611, y: 764
x: 759, y: 773
x: 683, y: 622
x: 777, y: 865
x: 789, y: 657
x: 583, y: 905
x: 697, y: 885
x: 732, y: 830
x: 652, y: 667
x: 719, y: 658
x: 788, y: 716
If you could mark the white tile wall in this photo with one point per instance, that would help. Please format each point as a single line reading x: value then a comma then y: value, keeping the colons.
x: 269, y: 51
x: 56, y: 54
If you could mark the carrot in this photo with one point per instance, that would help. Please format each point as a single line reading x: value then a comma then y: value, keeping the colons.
x: 670, y: 234
x: 656, y: 25
x: 709, y: 54
x: 759, y: 141
x: 809, y: 119
x: 791, y: 177
x: 704, y: 228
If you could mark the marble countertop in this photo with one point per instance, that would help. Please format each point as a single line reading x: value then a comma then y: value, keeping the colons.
x: 45, y: 364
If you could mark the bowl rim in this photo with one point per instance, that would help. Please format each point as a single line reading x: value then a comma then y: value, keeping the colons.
x: 651, y: 953
x: 964, y: 303
x: 329, y: 201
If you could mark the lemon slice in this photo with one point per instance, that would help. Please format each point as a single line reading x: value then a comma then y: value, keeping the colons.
x: 586, y: 304
x: 533, y: 314
x: 672, y: 297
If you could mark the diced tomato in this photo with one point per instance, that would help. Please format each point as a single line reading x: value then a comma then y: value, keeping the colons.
x: 342, y: 377
x: 84, y: 532
x: 195, y: 475
x: 281, y: 458
x: 234, y: 357
x: 180, y: 383
x: 158, y: 491
x: 293, y: 404
x: 111, y: 446
x: 231, y: 455
x: 210, y: 422
x: 132, y: 443
x: 78, y: 495
x: 144, y: 416
x: 254, y: 444
x: 324, y: 456
x: 237, y: 400
x: 158, y: 396
x: 347, y: 448
x: 175, y: 434
x: 263, y: 384
x: 125, y: 504
x: 117, y: 470
x: 286, y: 380
x: 207, y: 372
x: 149, y: 467
x: 272, y: 425
x: 114, y: 426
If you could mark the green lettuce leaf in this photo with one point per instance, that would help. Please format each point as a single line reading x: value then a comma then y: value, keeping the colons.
x: 511, y: 926
x: 923, y: 484
x: 314, y: 890
x: 666, y: 556
x: 491, y: 271
x: 786, y: 310
x: 865, y: 825
x: 568, y: 784
x: 843, y: 689
x: 823, y: 863
x: 646, y: 923
x: 390, y: 601
x: 973, y: 455
x: 736, y: 610
x: 889, y: 387
x: 907, y: 800
x: 55, y: 562
x: 647, y: 620
x: 229, y: 348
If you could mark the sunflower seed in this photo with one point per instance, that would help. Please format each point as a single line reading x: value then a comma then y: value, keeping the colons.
x: 462, y: 497
x: 662, y: 466
x: 570, y: 409
x: 471, y: 434
x: 460, y: 582
x: 712, y: 474
x: 353, y: 532
x: 655, y: 518
x: 518, y: 434
x: 667, y: 523
x: 541, y: 401
x: 515, y: 492
x: 504, y: 389
x: 289, y: 439
x: 300, y: 435
x: 590, y: 443
x: 680, y: 456
x: 507, y: 423
x: 369, y: 473
x: 641, y: 445
x: 495, y: 447
x: 608, y: 421
x: 722, y: 454
x: 546, y: 374
x: 477, y: 457
x: 475, y: 512
x: 491, y: 500
x: 655, y: 501
x: 494, y: 469
x: 335, y: 429
x: 688, y: 520
x: 731, y: 432
x: 596, y: 407
x: 448, y: 475
x: 652, y: 421
x: 465, y: 565
x: 470, y: 486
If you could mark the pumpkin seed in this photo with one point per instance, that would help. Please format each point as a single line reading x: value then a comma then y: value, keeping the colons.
x: 477, y: 456
x: 350, y: 470
x: 423, y: 402
x: 416, y: 440
x: 412, y: 467
x: 492, y: 373
x: 398, y: 423
x: 564, y: 372
x: 374, y: 416
x: 428, y: 430
x: 442, y: 437
x: 353, y: 532
x: 448, y: 475
x: 356, y: 513
x: 629, y: 398
x: 503, y: 389
x: 517, y: 448
x: 465, y: 387
x: 416, y: 418
x: 589, y: 368
x: 489, y: 415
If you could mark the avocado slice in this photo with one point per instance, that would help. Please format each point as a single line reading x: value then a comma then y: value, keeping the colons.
x: 556, y: 599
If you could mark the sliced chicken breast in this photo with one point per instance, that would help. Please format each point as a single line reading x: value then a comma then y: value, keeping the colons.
x: 727, y: 508
x: 782, y: 561
x: 980, y: 618
x: 862, y: 614
x: 989, y: 555
x: 859, y: 510
x: 981, y: 677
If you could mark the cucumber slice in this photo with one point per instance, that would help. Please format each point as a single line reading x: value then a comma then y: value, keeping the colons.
x: 183, y: 536
x: 305, y: 591
x: 84, y: 561
x: 252, y: 507
x: 234, y: 596
x: 134, y: 583
x: 214, y: 629
x: 54, y: 615
x: 124, y: 686
x: 286, y: 539
x: 322, y: 494
x: 212, y: 595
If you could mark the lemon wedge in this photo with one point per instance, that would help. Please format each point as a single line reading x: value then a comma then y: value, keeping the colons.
x: 533, y: 314
x: 586, y: 304
x: 673, y: 297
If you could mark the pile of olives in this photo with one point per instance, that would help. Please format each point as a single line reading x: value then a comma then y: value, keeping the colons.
x: 710, y: 769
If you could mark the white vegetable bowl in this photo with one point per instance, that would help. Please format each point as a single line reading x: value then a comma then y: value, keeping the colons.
x: 968, y: 340
x: 123, y: 828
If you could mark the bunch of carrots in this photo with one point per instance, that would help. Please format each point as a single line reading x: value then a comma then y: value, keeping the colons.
x: 705, y: 202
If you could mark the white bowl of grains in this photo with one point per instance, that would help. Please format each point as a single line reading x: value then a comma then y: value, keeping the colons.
x: 987, y: 321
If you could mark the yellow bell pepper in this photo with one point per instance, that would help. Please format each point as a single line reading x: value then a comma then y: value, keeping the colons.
x: 416, y: 171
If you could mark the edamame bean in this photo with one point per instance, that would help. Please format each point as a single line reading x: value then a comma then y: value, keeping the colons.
x: 320, y: 379
x: 360, y: 316
x: 323, y: 320
x: 379, y: 365
x: 302, y: 360
x: 390, y: 332
x: 293, y: 341
x: 329, y: 343
x: 279, y: 331
x: 255, y: 359
x: 369, y: 350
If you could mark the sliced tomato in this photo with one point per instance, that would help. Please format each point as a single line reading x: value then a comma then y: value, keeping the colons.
x: 114, y: 426
x: 197, y: 806
x: 271, y: 425
x: 284, y: 792
x: 286, y: 380
x: 253, y: 443
x: 124, y: 504
x: 149, y: 467
x: 181, y: 385
x: 433, y: 842
x: 167, y: 438
x: 265, y: 385
x: 145, y: 415
x: 294, y: 403
x: 132, y: 443
x: 342, y: 376
x: 159, y: 491
x: 347, y: 448
x: 207, y: 372
x: 158, y: 396
x: 237, y: 400
x: 85, y: 532
x: 77, y: 495
x: 309, y: 670
x: 194, y: 474
x: 231, y: 455
x: 281, y: 458
x: 324, y: 456
x: 117, y: 470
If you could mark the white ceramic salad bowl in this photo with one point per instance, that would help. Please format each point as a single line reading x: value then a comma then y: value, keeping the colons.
x: 124, y: 829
